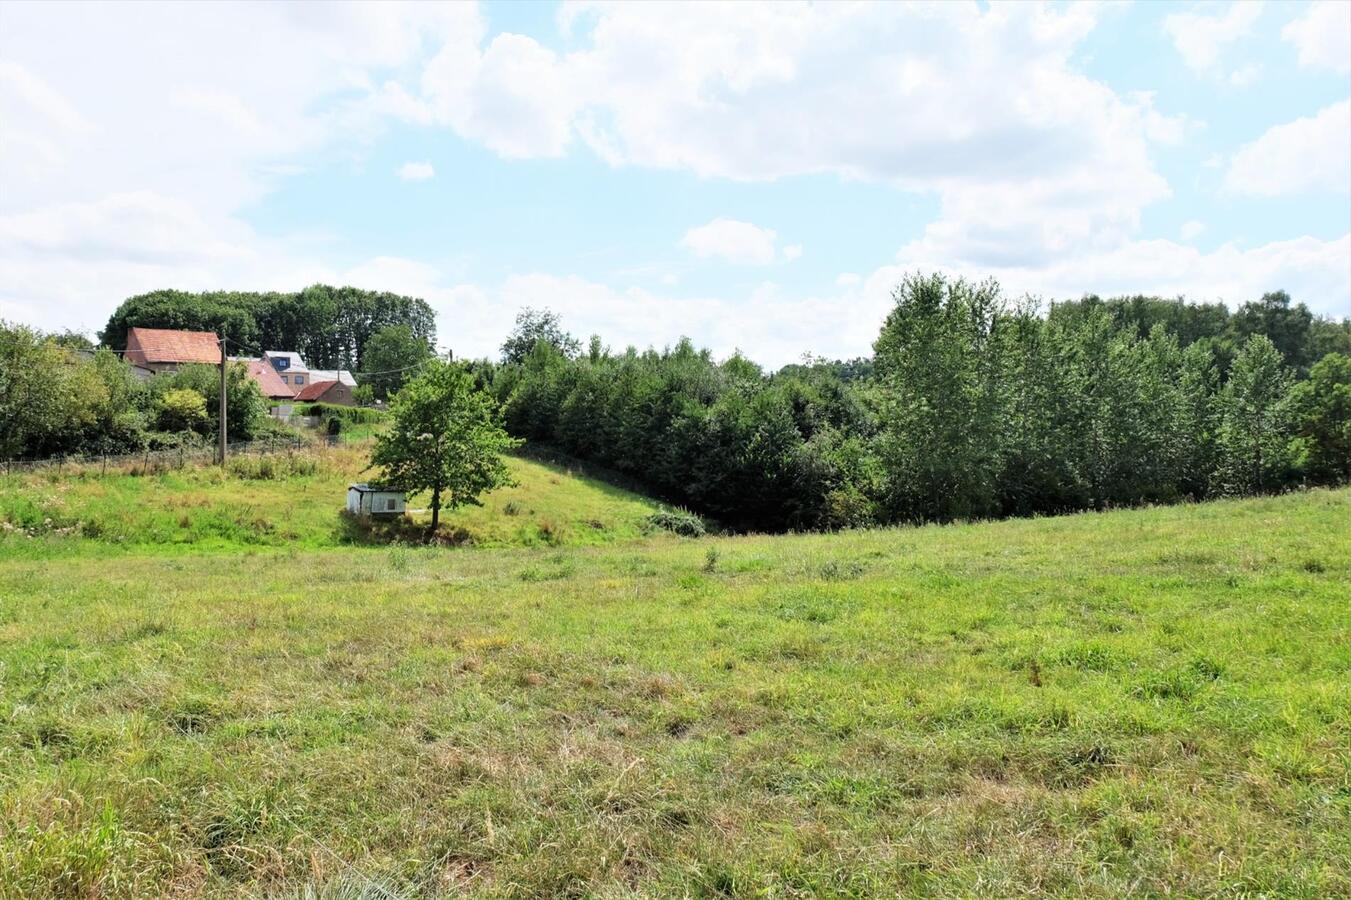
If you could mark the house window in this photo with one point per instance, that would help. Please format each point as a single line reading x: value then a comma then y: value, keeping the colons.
x: 390, y: 504
x: 285, y: 380
x: 300, y: 379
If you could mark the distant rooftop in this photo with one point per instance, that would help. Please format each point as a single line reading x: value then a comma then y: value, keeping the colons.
x: 341, y: 375
x: 291, y: 360
x: 166, y: 345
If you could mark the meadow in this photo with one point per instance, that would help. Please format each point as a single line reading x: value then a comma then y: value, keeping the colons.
x: 1143, y: 701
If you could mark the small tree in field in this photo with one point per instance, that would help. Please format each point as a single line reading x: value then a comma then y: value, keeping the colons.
x: 446, y: 438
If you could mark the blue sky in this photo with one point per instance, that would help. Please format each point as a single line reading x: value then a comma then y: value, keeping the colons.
x: 755, y: 177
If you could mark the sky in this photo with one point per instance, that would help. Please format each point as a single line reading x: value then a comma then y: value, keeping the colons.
x: 756, y: 177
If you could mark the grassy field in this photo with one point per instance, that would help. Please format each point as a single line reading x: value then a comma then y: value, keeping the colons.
x: 1143, y: 702
x: 292, y: 501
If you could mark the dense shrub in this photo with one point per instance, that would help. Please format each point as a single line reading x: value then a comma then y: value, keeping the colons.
x: 678, y: 521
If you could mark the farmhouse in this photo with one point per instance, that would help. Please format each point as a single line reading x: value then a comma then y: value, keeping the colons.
x: 165, y: 350
x: 326, y: 392
x: 375, y: 500
x: 268, y: 381
x: 294, y: 373
x: 290, y: 367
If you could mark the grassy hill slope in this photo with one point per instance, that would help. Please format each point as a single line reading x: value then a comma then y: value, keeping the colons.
x: 292, y: 501
x: 1144, y: 701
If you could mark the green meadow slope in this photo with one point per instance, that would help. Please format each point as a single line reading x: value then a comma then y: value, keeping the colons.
x: 1143, y: 701
x: 291, y: 501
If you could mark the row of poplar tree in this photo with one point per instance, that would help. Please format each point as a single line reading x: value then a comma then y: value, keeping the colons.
x: 971, y: 407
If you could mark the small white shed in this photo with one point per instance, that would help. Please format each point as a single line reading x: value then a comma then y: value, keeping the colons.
x: 374, y: 500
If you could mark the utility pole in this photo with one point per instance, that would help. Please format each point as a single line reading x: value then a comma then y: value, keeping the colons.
x: 222, y: 400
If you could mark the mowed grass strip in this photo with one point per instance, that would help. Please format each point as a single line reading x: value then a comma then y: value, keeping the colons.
x: 1143, y: 701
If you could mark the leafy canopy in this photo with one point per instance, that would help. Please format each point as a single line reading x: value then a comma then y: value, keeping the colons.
x: 534, y: 326
x: 391, y: 355
x: 446, y: 437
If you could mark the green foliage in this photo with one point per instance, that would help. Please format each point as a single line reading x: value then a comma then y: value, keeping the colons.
x: 537, y: 326
x: 55, y: 401
x: 939, y: 401
x: 972, y: 407
x: 246, y: 408
x: 446, y: 438
x: 1254, y: 432
x: 678, y: 521
x: 392, y: 355
x: 181, y: 409
x: 1321, y: 411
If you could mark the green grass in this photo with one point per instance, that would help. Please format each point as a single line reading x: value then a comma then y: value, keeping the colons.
x: 295, y: 505
x: 1143, y: 702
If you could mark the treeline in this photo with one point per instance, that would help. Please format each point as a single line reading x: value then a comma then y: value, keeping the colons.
x: 58, y: 398
x: 971, y: 407
x: 329, y: 326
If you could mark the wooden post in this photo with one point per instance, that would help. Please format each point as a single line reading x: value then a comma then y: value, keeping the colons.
x: 223, y: 438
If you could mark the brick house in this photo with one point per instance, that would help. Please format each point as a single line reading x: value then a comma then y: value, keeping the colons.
x: 326, y: 392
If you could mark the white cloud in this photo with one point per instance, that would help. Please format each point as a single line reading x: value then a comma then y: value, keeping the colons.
x: 1201, y: 38
x: 1322, y: 36
x: 128, y: 152
x: 1192, y: 230
x: 792, y: 252
x: 416, y: 171
x: 1314, y: 271
x: 1244, y: 76
x: 732, y: 241
x: 1308, y: 154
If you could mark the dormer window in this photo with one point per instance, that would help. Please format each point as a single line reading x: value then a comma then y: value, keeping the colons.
x: 300, y: 379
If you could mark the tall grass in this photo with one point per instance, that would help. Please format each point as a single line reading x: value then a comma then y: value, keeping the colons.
x: 1153, y: 701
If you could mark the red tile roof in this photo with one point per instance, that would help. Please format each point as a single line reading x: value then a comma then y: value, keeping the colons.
x: 314, y: 390
x: 269, y: 382
x: 163, y: 345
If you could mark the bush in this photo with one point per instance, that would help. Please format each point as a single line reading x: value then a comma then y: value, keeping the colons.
x: 679, y: 521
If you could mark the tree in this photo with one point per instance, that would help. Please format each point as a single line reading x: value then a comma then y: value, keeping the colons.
x: 446, y: 437
x: 1288, y: 327
x: 532, y: 327
x: 1254, y: 434
x: 939, y: 400
x: 1321, y: 408
x: 391, y: 356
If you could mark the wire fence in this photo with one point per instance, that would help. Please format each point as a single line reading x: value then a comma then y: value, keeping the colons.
x: 146, y: 461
